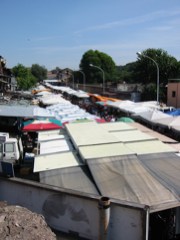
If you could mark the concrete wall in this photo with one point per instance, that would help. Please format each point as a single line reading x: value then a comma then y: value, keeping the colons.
x: 71, y: 211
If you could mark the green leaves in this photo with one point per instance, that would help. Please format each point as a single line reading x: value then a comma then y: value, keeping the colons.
x: 168, y: 66
x: 28, y: 77
x: 39, y: 72
x: 101, y: 60
x: 24, y: 77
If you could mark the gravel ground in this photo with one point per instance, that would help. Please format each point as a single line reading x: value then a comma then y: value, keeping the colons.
x: 18, y: 223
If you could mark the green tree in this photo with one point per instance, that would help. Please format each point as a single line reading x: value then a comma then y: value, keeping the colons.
x: 148, y: 64
x: 25, y: 79
x: 101, y: 60
x: 147, y: 70
x: 127, y: 73
x: 39, y: 72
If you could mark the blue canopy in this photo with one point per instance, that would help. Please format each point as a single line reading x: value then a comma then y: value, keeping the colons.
x: 174, y: 113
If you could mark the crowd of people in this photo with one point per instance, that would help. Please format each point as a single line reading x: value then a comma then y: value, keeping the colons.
x: 100, y: 109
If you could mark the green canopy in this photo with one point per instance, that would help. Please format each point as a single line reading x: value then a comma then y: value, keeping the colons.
x: 125, y: 119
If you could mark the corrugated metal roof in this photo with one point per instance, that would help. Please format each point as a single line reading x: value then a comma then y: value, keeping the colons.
x: 54, y: 146
x: 147, y: 147
x: 117, y: 126
x: 89, y: 133
x: 132, y: 136
x: 116, y: 170
x: 54, y: 161
x: 50, y: 135
x: 104, y: 150
x: 169, y: 141
x: 75, y: 178
x: 129, y: 179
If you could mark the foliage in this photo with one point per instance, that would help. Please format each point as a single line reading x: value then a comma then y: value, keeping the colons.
x: 149, y: 63
x: 127, y: 73
x: 39, y: 72
x: 149, y: 92
x: 147, y: 69
x: 101, y: 60
x: 144, y: 71
x: 24, y: 77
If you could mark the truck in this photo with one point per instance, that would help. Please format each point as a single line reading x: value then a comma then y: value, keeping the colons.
x: 11, y: 148
x: 17, y: 152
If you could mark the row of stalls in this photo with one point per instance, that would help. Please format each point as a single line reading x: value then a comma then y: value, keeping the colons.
x: 160, y: 117
x: 123, y: 161
x: 163, y: 119
x: 128, y: 163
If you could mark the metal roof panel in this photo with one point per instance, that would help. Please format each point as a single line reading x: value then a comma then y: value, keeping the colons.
x: 104, y: 150
x: 151, y: 146
x: 54, y: 161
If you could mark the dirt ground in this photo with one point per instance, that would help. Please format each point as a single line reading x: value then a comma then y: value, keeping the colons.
x: 18, y: 223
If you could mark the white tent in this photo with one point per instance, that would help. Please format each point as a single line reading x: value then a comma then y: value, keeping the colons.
x: 175, y: 124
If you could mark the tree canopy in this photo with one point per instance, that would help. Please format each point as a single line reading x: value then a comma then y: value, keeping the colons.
x: 100, y: 60
x: 147, y: 69
x: 24, y: 77
x: 40, y: 72
x: 144, y: 70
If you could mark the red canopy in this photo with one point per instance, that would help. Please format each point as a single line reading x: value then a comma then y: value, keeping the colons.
x: 41, y: 125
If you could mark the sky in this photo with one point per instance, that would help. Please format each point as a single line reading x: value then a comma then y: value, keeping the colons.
x: 56, y: 33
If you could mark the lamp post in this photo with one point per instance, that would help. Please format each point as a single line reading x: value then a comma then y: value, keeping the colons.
x: 68, y: 76
x: 140, y: 54
x: 84, y: 79
x: 102, y: 75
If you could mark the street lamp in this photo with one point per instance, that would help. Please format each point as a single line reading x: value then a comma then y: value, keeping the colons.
x: 102, y: 75
x: 84, y: 79
x: 140, y: 54
x: 68, y: 76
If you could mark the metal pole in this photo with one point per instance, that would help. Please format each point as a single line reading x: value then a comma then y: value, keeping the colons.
x: 102, y: 75
x: 84, y: 79
x: 157, y: 74
x: 104, y: 217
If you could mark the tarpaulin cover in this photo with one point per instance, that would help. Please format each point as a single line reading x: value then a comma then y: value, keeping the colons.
x: 75, y: 178
x: 174, y: 113
x: 166, y: 168
x: 141, y: 181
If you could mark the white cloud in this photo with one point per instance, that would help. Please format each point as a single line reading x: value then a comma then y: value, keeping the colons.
x: 133, y: 21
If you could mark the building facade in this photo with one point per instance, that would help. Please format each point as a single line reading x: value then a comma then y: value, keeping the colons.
x: 173, y: 93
